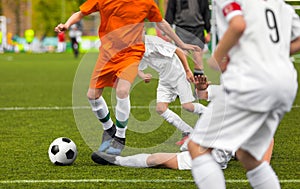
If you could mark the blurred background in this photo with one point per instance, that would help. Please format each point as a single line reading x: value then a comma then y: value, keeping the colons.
x: 28, y: 25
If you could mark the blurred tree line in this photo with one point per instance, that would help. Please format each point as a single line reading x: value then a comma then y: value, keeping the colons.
x: 45, y: 14
x: 48, y: 13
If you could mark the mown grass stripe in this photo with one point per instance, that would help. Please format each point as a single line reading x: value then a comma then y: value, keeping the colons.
x: 123, y: 181
x: 80, y: 108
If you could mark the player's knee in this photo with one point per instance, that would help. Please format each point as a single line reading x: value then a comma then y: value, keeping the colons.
x: 93, y: 94
x: 197, y: 150
x: 160, y: 109
x: 122, y: 92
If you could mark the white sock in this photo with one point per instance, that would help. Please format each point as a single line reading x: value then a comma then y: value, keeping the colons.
x: 207, y: 173
x: 100, y: 109
x: 122, y: 115
x: 121, y: 132
x: 263, y: 176
x: 175, y: 120
x: 199, y: 108
x: 138, y: 160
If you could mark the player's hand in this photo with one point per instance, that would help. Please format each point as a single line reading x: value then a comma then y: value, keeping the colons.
x: 147, y: 78
x: 190, y: 47
x: 201, y: 82
x: 60, y: 28
x: 190, y: 76
x: 207, y: 38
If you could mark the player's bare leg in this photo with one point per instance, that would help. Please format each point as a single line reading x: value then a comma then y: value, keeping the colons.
x: 268, y: 155
x: 172, y: 118
x: 259, y: 172
x: 195, y: 108
x: 198, y: 63
x: 168, y: 160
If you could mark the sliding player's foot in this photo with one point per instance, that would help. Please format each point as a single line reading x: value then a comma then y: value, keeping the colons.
x: 103, y: 158
x: 185, y: 136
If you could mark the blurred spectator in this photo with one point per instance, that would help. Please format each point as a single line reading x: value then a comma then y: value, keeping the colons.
x: 61, y: 44
x: 10, y: 44
x: 29, y: 37
x: 75, y: 36
x: 1, y: 45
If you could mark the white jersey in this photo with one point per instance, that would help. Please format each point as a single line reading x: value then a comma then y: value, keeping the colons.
x: 260, y: 76
x: 160, y: 55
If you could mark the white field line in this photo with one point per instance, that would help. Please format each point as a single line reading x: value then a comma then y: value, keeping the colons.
x: 68, y: 108
x: 80, y: 108
x: 122, y: 181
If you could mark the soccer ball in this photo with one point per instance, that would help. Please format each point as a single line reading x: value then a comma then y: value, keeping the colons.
x: 62, y: 151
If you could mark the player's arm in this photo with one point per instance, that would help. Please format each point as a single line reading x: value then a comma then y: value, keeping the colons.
x: 76, y: 17
x: 237, y: 26
x: 295, y: 46
x: 145, y: 76
x: 166, y: 28
x: 183, y: 60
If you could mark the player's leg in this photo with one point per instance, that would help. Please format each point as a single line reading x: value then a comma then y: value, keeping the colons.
x: 198, y: 56
x: 172, y: 118
x: 167, y: 160
x: 73, y: 44
x: 122, y: 116
x: 252, y: 153
x: 205, y: 170
x: 198, y: 63
x: 195, y: 108
x: 76, y: 48
x: 137, y: 161
x: 259, y: 173
x: 268, y: 155
x: 184, y: 91
x: 100, y: 109
x: 212, y: 130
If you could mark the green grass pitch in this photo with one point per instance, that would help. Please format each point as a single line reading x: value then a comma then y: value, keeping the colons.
x: 37, y: 93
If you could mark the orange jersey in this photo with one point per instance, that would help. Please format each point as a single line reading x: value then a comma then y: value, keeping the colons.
x: 120, y: 32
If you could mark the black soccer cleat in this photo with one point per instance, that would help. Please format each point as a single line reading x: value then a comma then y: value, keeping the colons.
x: 103, y: 158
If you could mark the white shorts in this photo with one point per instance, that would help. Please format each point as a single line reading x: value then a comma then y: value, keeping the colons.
x: 224, y: 126
x: 184, y: 160
x: 167, y: 93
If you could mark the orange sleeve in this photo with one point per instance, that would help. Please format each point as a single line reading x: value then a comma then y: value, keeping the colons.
x: 89, y: 7
x: 154, y: 13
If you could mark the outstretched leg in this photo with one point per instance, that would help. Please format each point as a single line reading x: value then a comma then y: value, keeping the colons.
x: 172, y: 118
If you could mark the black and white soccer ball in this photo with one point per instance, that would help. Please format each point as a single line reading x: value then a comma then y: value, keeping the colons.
x: 62, y: 151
